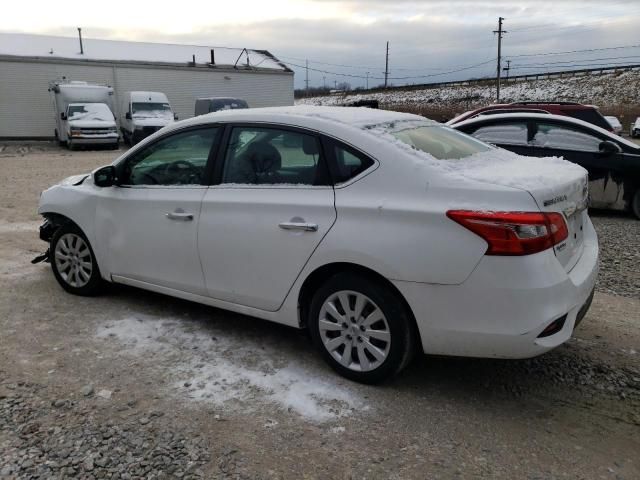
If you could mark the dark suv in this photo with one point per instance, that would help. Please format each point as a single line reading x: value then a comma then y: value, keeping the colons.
x: 587, y: 113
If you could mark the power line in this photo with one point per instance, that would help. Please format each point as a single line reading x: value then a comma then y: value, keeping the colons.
x: 603, y: 65
x: 370, y: 67
x: 572, y: 51
x: 469, y: 67
x: 601, y: 22
x: 581, y: 60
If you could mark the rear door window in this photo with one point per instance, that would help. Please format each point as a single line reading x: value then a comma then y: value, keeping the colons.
x: 512, y: 133
x: 273, y: 156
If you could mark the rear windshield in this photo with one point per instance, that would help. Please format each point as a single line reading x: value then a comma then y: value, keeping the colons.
x: 228, y: 104
x: 441, y: 142
x: 592, y: 116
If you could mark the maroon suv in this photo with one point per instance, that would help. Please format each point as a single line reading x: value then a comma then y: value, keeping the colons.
x: 587, y: 113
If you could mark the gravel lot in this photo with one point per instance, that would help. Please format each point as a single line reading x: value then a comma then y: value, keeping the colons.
x: 136, y: 385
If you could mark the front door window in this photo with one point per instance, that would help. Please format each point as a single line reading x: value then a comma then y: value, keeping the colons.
x: 179, y: 159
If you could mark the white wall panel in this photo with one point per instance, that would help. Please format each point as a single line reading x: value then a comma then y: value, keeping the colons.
x: 26, y: 109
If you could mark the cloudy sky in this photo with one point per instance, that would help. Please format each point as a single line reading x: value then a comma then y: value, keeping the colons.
x: 345, y: 40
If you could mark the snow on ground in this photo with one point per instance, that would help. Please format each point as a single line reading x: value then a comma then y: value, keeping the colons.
x: 603, y: 90
x: 230, y: 371
x: 8, y: 227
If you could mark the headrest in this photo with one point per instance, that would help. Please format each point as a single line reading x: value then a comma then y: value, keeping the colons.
x: 264, y: 157
x: 309, y: 145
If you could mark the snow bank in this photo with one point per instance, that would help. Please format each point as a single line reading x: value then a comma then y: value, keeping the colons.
x: 231, y: 371
x: 603, y: 90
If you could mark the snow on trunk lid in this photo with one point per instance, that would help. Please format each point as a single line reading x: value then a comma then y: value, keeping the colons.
x: 555, y: 184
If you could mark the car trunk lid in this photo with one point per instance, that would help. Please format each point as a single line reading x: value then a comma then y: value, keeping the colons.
x: 568, y: 197
x: 555, y: 184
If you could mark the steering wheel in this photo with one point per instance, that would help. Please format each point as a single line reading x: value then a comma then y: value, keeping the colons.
x: 154, y: 180
x: 182, y: 168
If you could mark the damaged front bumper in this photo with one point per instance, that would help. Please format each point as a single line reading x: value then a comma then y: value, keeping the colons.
x: 47, y: 229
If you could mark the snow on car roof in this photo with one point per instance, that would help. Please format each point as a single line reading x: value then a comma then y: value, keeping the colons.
x: 359, y: 117
x: 544, y: 116
x: 48, y: 46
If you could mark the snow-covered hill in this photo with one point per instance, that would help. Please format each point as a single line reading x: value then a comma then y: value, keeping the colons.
x: 608, y: 91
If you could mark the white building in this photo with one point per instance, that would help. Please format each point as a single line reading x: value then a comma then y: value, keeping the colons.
x: 29, y: 62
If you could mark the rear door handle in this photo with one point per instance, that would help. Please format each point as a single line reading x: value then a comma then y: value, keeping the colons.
x: 185, y: 217
x: 305, y: 227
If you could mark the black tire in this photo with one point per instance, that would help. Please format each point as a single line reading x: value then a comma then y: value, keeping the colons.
x: 400, y: 326
x: 635, y: 204
x: 95, y: 283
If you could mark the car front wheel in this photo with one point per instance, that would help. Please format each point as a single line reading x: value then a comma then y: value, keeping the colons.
x: 362, y: 328
x: 73, y: 262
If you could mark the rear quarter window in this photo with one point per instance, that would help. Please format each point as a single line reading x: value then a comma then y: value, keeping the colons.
x: 347, y: 163
x: 592, y: 116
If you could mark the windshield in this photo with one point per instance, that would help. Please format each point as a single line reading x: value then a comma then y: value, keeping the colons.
x: 441, y: 142
x: 149, y: 109
x: 89, y: 111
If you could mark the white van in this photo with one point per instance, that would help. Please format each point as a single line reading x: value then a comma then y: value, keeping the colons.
x: 84, y: 114
x: 143, y: 113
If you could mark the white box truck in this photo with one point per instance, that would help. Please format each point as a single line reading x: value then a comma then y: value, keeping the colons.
x: 84, y: 114
x: 144, y: 113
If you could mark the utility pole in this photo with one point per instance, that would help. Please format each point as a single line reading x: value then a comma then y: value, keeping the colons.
x: 324, y: 83
x: 507, y: 68
x: 80, y: 37
x: 335, y: 84
x: 500, y: 32
x: 386, y: 67
x: 367, y: 80
x: 306, y: 80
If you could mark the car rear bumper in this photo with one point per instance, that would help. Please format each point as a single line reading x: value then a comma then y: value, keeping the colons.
x: 506, y: 303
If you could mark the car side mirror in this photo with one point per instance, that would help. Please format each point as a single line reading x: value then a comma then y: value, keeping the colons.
x: 609, y: 148
x: 63, y: 115
x: 105, y: 176
x: 127, y: 115
x: 175, y: 116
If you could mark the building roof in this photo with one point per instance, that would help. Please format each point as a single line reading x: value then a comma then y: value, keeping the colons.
x: 48, y: 46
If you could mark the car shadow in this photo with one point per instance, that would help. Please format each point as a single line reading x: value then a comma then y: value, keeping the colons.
x: 567, y: 370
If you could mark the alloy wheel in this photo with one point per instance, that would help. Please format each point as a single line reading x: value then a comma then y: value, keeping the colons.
x: 73, y: 260
x: 354, y: 330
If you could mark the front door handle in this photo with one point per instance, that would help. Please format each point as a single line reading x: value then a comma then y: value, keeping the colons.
x: 185, y: 217
x: 305, y: 227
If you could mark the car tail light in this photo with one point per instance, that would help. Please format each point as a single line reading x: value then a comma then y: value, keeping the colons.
x: 513, y: 233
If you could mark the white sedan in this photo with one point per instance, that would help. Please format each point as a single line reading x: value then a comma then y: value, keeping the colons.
x: 383, y: 233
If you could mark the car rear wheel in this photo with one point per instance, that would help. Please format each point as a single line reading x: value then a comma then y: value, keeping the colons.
x: 73, y: 262
x: 362, y: 328
x: 635, y: 204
